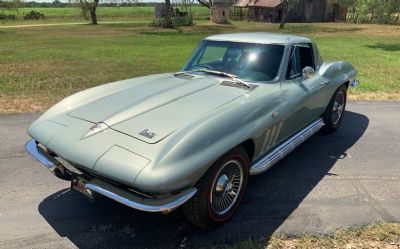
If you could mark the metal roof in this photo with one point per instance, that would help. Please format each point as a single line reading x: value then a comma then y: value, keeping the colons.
x: 259, y: 37
x: 242, y: 3
x: 258, y: 3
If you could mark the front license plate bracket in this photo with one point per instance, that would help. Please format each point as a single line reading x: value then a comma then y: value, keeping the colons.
x: 78, y: 184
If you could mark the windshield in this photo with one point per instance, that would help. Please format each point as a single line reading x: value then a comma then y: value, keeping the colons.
x: 248, y: 61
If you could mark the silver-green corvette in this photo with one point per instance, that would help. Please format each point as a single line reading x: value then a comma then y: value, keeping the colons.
x: 240, y: 104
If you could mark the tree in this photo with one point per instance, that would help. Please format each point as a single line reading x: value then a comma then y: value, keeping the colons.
x: 206, y: 3
x: 168, y: 21
x: 10, y: 5
x: 380, y: 11
x: 287, y: 6
x: 89, y: 7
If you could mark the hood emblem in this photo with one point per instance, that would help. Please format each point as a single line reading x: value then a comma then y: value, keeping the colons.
x: 147, y: 133
x: 99, y: 127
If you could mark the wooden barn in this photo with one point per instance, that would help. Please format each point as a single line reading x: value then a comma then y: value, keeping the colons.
x: 304, y: 11
x: 317, y: 11
x: 258, y: 10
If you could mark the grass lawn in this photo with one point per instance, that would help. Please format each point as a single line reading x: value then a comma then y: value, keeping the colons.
x: 41, y: 65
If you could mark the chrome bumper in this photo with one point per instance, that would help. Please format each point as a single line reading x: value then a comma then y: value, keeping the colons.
x: 120, y: 195
x: 54, y: 166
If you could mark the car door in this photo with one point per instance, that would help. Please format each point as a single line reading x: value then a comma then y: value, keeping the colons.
x: 299, y: 92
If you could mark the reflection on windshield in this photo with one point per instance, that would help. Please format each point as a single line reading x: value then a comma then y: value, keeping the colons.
x: 248, y: 61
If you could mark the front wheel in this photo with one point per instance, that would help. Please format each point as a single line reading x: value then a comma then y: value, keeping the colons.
x: 333, y: 115
x: 220, y: 191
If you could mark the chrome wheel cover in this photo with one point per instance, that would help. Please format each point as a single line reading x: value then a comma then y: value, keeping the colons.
x: 226, y: 187
x: 338, y: 108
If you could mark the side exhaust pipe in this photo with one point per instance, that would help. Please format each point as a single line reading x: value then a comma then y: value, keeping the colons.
x: 272, y: 157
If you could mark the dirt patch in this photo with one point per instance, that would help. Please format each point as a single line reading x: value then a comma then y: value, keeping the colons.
x: 395, y: 96
x: 24, y: 104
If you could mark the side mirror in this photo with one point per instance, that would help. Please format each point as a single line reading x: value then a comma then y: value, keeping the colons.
x: 308, y: 72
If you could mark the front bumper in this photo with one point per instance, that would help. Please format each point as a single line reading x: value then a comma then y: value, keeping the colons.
x: 111, y: 191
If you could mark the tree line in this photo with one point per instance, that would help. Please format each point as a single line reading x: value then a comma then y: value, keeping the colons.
x: 373, y: 11
x: 365, y: 11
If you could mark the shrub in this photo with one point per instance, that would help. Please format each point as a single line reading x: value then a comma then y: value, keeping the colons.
x: 176, y: 22
x: 7, y: 17
x: 34, y: 15
x: 182, y: 21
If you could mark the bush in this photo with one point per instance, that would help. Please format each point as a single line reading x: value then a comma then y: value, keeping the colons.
x: 176, y: 22
x: 182, y: 21
x: 7, y: 17
x: 34, y: 15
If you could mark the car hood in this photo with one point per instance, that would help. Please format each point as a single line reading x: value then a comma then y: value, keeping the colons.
x: 155, y: 109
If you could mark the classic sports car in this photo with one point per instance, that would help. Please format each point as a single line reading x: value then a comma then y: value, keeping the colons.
x: 241, y: 103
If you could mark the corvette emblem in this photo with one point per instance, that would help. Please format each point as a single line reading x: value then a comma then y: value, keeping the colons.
x: 147, y: 133
x: 99, y: 127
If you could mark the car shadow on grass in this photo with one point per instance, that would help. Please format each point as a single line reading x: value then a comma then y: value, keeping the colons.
x: 270, y: 199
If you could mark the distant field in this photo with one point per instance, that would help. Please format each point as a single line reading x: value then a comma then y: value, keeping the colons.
x: 71, y: 14
x: 41, y: 65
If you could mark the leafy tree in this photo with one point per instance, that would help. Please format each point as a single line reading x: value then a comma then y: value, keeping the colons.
x: 376, y: 11
x: 88, y: 7
x: 10, y: 5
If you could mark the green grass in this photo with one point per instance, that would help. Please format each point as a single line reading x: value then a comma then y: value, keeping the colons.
x: 41, y: 65
x: 105, y: 14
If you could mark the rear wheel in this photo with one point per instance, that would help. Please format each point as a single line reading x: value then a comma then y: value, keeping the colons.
x: 333, y: 115
x: 220, y: 190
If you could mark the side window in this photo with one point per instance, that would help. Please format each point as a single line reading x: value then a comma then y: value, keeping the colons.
x: 302, y: 56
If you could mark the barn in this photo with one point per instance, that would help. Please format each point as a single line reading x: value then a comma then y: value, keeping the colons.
x: 258, y: 10
x: 304, y: 11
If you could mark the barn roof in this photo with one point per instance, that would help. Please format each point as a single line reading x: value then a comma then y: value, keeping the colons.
x: 258, y: 3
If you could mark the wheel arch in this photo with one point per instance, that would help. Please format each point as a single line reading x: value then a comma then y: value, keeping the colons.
x: 249, y: 147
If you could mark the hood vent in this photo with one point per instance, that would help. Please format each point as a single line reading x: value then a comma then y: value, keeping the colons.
x: 233, y: 84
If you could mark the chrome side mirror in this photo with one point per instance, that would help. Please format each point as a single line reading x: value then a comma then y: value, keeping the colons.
x: 354, y: 83
x: 308, y: 72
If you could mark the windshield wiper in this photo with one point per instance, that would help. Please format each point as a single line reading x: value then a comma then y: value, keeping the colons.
x: 233, y: 77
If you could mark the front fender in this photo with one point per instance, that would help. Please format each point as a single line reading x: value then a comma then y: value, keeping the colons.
x: 187, y: 154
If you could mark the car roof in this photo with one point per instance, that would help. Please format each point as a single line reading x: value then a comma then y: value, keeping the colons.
x: 259, y: 37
